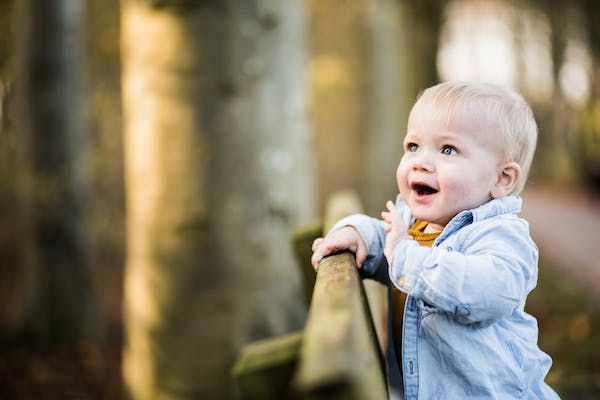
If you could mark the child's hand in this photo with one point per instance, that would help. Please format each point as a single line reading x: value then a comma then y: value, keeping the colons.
x: 395, y: 229
x: 346, y: 238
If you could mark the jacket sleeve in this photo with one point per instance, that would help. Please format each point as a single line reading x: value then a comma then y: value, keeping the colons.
x: 372, y: 232
x: 484, y: 282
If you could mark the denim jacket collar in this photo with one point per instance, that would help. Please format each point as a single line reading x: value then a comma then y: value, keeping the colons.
x: 493, y: 208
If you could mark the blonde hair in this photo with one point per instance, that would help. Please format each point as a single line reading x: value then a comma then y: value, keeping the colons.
x: 501, y: 107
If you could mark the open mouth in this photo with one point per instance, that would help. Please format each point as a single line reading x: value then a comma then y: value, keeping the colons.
x: 423, y: 190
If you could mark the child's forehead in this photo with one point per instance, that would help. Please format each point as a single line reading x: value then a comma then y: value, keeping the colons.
x: 455, y: 115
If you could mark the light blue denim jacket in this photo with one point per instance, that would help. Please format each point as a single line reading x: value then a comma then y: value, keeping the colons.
x: 465, y: 333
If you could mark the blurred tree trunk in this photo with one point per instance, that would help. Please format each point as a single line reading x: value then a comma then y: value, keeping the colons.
x: 591, y: 9
x: 13, y: 266
x: 389, y: 105
x: 62, y: 304
x: 421, y: 22
x: 340, y: 59
x: 558, y: 145
x: 590, y: 141
x: 218, y: 171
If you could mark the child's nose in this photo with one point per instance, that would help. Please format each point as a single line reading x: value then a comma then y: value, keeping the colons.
x: 423, y: 163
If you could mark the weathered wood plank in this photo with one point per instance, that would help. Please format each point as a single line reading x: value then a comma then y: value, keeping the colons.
x: 339, y: 354
x: 340, y: 205
x: 264, y: 369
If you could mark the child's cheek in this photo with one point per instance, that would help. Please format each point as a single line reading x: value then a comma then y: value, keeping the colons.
x: 399, y: 175
x: 402, y: 179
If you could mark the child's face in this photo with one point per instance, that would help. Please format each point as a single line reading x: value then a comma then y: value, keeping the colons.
x: 449, y: 165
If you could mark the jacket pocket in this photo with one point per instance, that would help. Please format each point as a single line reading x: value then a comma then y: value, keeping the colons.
x: 426, y: 309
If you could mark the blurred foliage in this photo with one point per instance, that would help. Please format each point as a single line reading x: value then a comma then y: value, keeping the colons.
x: 84, y: 371
x: 569, y: 326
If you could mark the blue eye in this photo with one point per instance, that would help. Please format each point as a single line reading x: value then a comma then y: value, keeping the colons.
x: 449, y: 150
x: 411, y: 147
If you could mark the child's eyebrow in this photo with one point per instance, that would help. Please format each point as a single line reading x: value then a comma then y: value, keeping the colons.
x: 411, y: 136
x: 448, y: 137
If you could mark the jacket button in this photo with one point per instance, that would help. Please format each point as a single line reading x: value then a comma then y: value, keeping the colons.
x: 461, y: 311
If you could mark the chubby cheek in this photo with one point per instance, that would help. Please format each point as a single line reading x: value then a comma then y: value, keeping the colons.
x: 454, y: 189
x: 459, y: 192
x: 402, y: 180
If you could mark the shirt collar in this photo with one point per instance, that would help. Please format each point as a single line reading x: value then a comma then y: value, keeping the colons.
x: 493, y: 208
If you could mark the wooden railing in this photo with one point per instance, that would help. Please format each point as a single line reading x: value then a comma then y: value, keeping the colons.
x: 338, y: 355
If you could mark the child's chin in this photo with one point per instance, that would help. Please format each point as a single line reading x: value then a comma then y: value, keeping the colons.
x: 428, y: 217
x: 420, y: 212
x: 422, y: 216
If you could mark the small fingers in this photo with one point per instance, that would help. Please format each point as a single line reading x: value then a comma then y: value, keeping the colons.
x: 322, y: 250
x: 390, y: 206
x: 314, y: 260
x: 361, y: 256
x: 316, y: 243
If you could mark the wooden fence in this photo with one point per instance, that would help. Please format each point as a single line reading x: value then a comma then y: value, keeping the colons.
x: 338, y: 355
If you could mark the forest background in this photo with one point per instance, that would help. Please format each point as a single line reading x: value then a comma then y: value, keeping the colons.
x: 157, y: 155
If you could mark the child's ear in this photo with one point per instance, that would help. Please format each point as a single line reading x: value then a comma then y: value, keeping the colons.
x: 508, y: 177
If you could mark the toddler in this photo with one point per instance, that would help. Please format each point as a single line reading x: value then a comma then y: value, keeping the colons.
x: 459, y: 259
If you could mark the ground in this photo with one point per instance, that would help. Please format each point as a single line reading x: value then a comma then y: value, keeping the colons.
x: 83, y: 371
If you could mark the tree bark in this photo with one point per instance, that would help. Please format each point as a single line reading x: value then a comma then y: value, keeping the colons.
x: 422, y: 20
x: 340, y: 60
x: 590, y: 135
x: 217, y: 174
x: 389, y: 105
x: 558, y: 145
x: 62, y: 304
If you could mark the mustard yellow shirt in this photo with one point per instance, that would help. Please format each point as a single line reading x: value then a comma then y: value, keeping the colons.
x: 399, y: 297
